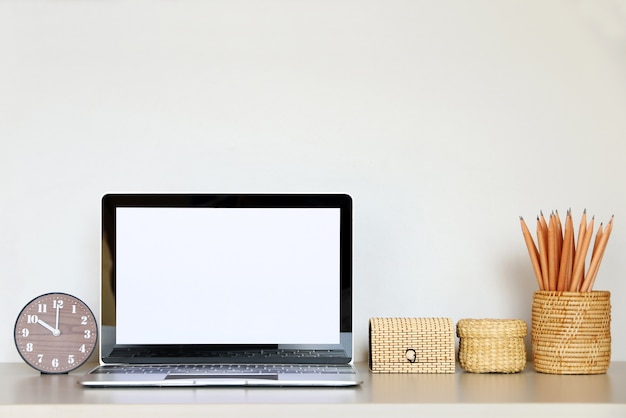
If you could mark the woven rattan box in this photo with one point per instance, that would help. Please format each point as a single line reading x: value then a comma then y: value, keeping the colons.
x: 411, y: 345
x: 492, y: 345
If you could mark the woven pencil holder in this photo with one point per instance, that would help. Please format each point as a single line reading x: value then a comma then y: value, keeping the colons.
x: 571, y: 332
x: 492, y: 345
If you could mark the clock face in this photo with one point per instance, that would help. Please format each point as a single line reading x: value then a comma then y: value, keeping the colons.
x: 55, y: 333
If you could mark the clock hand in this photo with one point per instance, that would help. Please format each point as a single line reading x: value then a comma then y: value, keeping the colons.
x: 54, y: 332
x: 57, y: 323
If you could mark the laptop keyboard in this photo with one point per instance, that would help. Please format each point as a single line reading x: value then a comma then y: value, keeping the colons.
x: 225, y: 369
x: 124, y: 354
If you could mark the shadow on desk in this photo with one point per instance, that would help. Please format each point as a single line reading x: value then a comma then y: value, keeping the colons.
x: 548, y: 388
x: 464, y: 387
x: 423, y: 388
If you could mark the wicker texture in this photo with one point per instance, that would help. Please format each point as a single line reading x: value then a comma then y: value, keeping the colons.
x: 571, y: 332
x: 492, y: 345
x: 411, y: 345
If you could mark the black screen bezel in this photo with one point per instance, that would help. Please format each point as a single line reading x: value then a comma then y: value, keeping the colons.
x: 342, y: 201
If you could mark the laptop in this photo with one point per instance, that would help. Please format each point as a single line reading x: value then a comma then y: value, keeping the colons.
x: 225, y: 290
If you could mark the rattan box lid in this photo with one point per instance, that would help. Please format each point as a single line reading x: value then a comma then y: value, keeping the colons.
x: 491, y: 328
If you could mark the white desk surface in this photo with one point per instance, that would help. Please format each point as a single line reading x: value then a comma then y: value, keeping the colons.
x: 25, y: 393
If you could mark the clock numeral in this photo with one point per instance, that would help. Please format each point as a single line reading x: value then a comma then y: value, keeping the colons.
x: 39, y: 358
x: 70, y: 359
x: 73, y: 308
x: 25, y: 332
x: 32, y: 319
x: 87, y: 333
x: 55, y: 362
x: 29, y: 347
x: 57, y: 303
x: 83, y: 320
x: 82, y: 348
x: 42, y: 308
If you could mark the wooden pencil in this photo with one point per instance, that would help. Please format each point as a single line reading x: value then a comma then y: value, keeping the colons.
x: 581, y: 230
x: 559, y: 238
x: 552, y: 253
x: 565, y: 268
x: 596, y: 243
x: 579, y: 259
x: 593, y: 265
x: 542, y: 221
x: 532, y: 252
x: 596, y: 259
x: 570, y: 256
x: 542, y: 242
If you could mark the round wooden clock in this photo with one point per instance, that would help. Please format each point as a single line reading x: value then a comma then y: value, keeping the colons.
x: 56, y: 333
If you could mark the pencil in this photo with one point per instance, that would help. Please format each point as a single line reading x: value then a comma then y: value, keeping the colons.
x: 597, y: 258
x: 579, y: 259
x: 542, y: 242
x: 559, y: 238
x: 542, y: 220
x: 593, y: 265
x: 581, y: 229
x: 552, y: 253
x: 532, y: 252
x: 565, y: 268
x: 570, y: 256
x: 596, y: 243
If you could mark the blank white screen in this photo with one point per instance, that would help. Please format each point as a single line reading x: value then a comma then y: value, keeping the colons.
x: 227, y: 275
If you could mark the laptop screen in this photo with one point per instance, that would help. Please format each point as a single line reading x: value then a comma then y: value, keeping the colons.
x: 235, y: 270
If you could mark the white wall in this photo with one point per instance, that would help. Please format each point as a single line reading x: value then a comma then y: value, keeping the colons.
x: 445, y: 120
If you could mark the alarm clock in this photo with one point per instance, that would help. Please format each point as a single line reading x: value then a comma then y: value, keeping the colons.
x: 55, y: 333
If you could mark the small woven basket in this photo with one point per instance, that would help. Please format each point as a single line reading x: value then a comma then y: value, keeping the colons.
x: 492, y: 345
x: 571, y: 332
